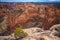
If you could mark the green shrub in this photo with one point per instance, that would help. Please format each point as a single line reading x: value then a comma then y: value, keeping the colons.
x: 19, y: 33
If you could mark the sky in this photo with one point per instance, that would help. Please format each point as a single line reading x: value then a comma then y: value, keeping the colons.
x: 29, y: 0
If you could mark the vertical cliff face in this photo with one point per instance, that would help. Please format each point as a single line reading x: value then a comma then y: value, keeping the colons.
x: 30, y: 15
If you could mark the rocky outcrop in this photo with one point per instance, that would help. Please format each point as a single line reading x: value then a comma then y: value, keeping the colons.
x: 36, y: 33
x: 56, y: 30
x: 40, y: 35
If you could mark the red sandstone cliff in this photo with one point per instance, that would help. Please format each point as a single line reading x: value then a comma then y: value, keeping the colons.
x: 31, y: 15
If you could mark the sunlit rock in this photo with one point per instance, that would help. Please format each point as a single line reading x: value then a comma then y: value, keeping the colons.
x: 55, y: 30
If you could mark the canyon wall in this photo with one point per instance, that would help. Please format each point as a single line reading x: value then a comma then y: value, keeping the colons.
x: 30, y: 15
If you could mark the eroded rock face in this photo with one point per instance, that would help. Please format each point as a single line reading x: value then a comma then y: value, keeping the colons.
x: 30, y: 15
x: 3, y: 25
x: 56, y: 30
x: 25, y: 13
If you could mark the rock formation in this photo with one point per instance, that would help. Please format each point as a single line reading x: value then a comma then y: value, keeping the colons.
x: 30, y: 14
